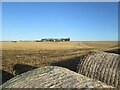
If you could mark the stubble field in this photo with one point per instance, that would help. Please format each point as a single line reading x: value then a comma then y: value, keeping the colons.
x: 19, y: 57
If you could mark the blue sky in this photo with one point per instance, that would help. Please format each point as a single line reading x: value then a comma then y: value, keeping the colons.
x: 81, y: 21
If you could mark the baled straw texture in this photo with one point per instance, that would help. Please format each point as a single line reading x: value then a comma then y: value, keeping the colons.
x: 53, y: 77
x: 101, y: 66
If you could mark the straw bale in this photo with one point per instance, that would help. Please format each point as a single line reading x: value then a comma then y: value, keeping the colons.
x: 53, y: 77
x: 101, y: 66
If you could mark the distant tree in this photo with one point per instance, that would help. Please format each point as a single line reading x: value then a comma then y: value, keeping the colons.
x: 38, y: 40
x: 44, y: 40
x: 51, y: 40
x: 68, y: 39
x: 57, y: 40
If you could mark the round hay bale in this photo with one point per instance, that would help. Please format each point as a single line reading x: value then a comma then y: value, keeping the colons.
x: 101, y: 66
x: 53, y: 77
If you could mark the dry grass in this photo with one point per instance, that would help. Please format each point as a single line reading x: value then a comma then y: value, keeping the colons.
x: 42, y: 45
x: 102, y: 45
x: 36, y: 54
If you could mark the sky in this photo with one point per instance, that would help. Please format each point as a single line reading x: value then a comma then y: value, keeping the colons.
x: 80, y: 21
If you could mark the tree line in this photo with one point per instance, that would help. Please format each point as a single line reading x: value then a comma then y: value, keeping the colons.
x: 45, y: 40
x: 53, y: 40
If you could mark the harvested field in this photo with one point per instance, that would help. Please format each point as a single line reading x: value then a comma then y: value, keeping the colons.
x: 19, y: 57
x: 53, y: 77
x: 101, y: 66
x: 42, y: 45
x: 102, y: 45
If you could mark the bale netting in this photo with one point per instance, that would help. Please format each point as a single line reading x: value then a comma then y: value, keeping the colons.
x: 53, y: 77
x: 101, y: 66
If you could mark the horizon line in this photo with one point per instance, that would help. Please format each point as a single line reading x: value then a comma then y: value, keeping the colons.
x: 50, y: 41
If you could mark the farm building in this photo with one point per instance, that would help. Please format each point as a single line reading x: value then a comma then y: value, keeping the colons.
x: 53, y: 40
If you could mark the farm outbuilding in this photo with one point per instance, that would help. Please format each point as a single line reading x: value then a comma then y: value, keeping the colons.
x: 55, y: 39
